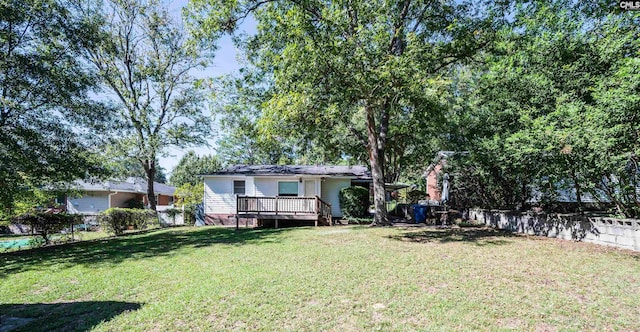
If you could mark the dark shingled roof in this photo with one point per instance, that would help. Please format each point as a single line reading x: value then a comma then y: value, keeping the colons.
x: 132, y: 185
x: 358, y: 171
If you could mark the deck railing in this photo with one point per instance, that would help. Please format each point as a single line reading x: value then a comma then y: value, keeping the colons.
x: 284, y: 205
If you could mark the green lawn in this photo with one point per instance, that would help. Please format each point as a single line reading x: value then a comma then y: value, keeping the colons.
x: 340, y: 278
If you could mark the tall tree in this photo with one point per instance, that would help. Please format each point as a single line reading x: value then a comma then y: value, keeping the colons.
x: 45, y: 104
x: 357, y: 65
x: 145, y: 61
x: 191, y: 166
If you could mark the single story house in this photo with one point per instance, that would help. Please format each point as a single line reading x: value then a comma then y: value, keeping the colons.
x: 268, y: 193
x: 95, y: 196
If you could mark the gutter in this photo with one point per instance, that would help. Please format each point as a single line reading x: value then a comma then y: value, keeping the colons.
x: 111, y: 194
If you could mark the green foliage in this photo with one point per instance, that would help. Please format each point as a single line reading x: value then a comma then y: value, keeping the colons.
x: 173, y: 212
x: 27, y: 200
x: 189, y: 194
x: 191, y: 166
x: 46, y: 104
x: 189, y: 214
x: 45, y: 224
x: 354, y: 201
x: 36, y: 241
x: 414, y: 196
x: 32, y: 199
x: 134, y: 203
x: 121, y: 168
x: 117, y: 220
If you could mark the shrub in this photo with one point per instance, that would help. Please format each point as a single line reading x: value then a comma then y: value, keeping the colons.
x: 416, y: 195
x: 354, y: 201
x: 46, y: 224
x: 190, y: 214
x: 117, y: 220
x: 134, y: 203
x: 36, y: 241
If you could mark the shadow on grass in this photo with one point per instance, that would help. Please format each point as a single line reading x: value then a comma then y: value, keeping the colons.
x: 136, y: 246
x: 69, y: 316
x: 480, y: 236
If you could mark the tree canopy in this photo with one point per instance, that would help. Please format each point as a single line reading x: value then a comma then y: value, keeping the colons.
x: 46, y: 109
x: 191, y: 166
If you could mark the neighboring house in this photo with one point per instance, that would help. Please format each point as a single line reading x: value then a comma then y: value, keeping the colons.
x: 95, y: 197
x: 278, y: 192
x: 433, y: 171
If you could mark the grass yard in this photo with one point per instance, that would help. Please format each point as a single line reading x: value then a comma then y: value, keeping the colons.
x: 339, y: 278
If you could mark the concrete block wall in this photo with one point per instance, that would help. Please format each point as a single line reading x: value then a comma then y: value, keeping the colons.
x: 621, y: 233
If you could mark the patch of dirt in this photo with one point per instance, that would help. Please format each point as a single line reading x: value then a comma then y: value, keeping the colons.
x: 313, y: 303
x: 41, y: 290
x: 544, y: 327
x: 379, y: 306
x: 510, y: 323
x: 432, y: 289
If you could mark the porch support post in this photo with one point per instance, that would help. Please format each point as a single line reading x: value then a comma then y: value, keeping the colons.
x: 318, y: 210
x: 237, y: 212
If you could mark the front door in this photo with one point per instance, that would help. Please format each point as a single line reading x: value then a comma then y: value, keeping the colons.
x: 309, y: 188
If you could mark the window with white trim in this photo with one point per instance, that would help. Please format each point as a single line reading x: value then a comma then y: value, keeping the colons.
x: 288, y: 188
x: 239, y: 187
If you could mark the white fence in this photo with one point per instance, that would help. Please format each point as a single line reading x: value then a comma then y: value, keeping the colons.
x: 169, y: 219
x: 621, y: 233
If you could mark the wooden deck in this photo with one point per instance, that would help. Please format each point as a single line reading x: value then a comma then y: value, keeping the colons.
x: 284, y: 208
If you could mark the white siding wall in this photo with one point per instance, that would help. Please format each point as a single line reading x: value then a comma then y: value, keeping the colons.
x: 266, y: 187
x: 330, y: 190
x: 219, y: 197
x: 218, y: 194
x: 269, y: 186
x: 91, y: 202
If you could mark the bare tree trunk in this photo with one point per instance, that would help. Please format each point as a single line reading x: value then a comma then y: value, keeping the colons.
x: 376, y: 159
x: 150, y: 170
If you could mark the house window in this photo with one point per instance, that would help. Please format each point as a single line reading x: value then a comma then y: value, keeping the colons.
x: 238, y: 187
x: 288, y: 188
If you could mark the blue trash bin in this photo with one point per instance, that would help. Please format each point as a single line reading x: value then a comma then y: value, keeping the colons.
x: 420, y: 213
